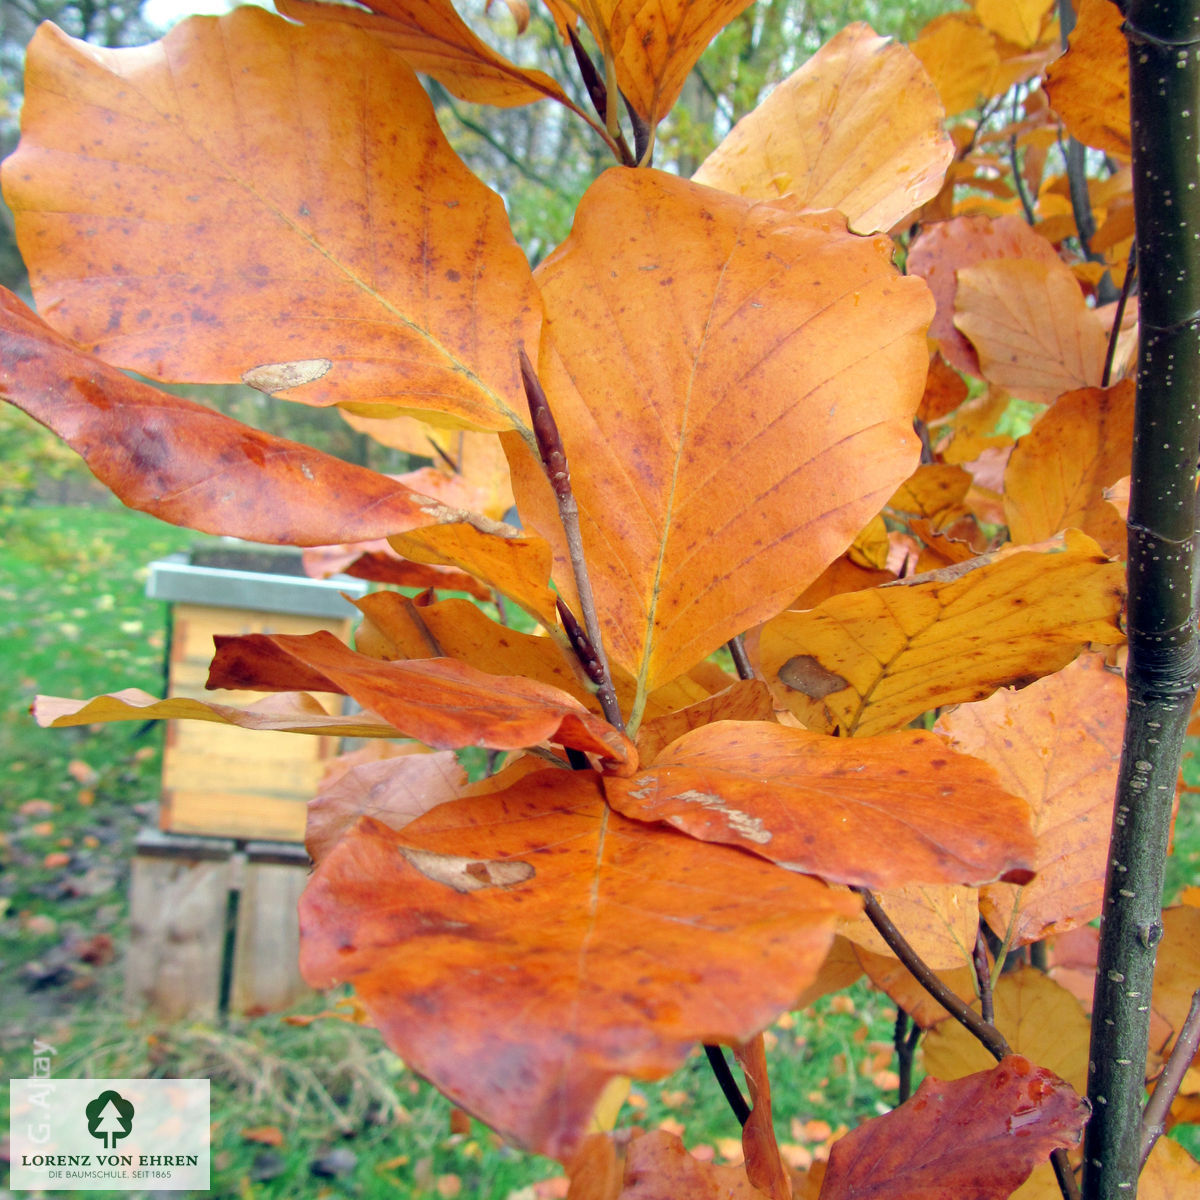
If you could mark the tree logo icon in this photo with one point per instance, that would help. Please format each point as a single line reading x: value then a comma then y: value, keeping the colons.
x: 109, y: 1117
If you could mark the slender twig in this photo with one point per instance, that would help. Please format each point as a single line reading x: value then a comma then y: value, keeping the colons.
x: 1119, y: 314
x: 729, y: 1087
x: 440, y: 453
x: 1019, y: 182
x: 1154, y: 1115
x: 427, y: 635
x: 989, y: 1036
x: 1065, y: 1174
x: 741, y: 660
x: 593, y: 668
x: 554, y: 460
x: 983, y: 977
x: 907, y: 1035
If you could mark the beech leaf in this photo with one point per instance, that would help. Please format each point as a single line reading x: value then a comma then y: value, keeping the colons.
x: 976, y: 1138
x: 659, y: 1167
x: 1057, y: 744
x: 522, y: 948
x: 857, y: 128
x: 247, y: 194
x: 869, y: 661
x: 184, y: 463
x: 764, y: 1167
x: 939, y: 921
x: 876, y: 812
x: 718, y: 484
x: 443, y: 703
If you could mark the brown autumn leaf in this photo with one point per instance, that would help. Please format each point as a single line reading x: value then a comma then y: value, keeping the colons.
x: 658, y: 1167
x: 434, y: 40
x: 517, y: 567
x: 932, y: 490
x: 975, y: 1138
x: 289, y: 712
x: 858, y: 128
x: 521, y: 949
x: 1089, y: 85
x: 1031, y: 327
x: 894, y: 979
x: 948, y: 246
x: 876, y: 812
x: 656, y: 43
x: 945, y: 390
x: 764, y: 1168
x: 840, y: 969
x: 187, y: 464
x: 692, y: 532
x: 378, y: 562
x: 1056, y: 744
x: 312, y: 232
x: 870, y: 661
x: 1169, y: 1174
x: 1059, y: 471
x: 939, y: 921
x: 960, y: 57
x: 1038, y: 1018
x: 746, y: 700
x: 393, y: 790
x: 443, y: 703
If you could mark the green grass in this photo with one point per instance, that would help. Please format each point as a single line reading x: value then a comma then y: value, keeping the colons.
x: 75, y: 622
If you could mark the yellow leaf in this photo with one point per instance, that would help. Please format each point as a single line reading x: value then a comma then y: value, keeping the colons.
x: 857, y: 128
x: 1022, y: 22
x: 960, y: 57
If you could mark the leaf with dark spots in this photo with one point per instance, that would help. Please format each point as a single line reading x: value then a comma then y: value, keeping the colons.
x: 520, y: 949
x: 191, y: 466
x: 869, y: 811
x: 440, y: 702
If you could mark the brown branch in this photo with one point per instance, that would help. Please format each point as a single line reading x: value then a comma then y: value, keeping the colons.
x: 1186, y: 1044
x: 597, y: 92
x: 983, y: 976
x: 989, y: 1036
x: 905, y: 1038
x: 554, y: 460
x: 1119, y: 315
x: 741, y: 660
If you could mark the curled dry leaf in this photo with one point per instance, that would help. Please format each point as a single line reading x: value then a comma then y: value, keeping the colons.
x: 858, y: 128
x: 207, y: 227
x: 1057, y: 744
x: 877, y: 812
x: 971, y: 1139
x: 443, y: 703
x: 289, y: 712
x: 1089, y: 85
x: 184, y: 463
x: 645, y: 369
x: 522, y: 948
x: 870, y: 661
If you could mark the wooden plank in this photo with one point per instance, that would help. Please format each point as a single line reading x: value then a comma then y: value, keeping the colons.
x: 177, y: 936
x: 266, y: 971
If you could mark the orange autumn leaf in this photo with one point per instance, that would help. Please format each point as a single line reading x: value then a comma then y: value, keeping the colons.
x: 1038, y: 1018
x: 658, y: 1167
x: 1031, y: 327
x: 1059, y: 471
x: 1178, y: 971
x: 869, y: 661
x: 1024, y: 23
x: 746, y: 700
x: 960, y: 57
x: 939, y: 921
x: 288, y: 712
x: 393, y: 790
x: 443, y: 703
x: 876, y: 812
x: 979, y: 1136
x: 521, y: 949
x: 378, y: 562
x: 1089, y: 85
x: 1057, y: 744
x: 1170, y: 1172
x: 170, y: 237
x: 945, y: 390
x: 857, y: 128
x: 893, y: 978
x: 184, y: 463
x: 946, y: 247
x: 645, y: 369
x: 434, y: 40
x: 764, y: 1167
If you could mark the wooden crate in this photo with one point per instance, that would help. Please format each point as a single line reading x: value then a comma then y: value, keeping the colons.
x: 213, y: 926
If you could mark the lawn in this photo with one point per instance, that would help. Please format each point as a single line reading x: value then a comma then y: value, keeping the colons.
x: 319, y: 1109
